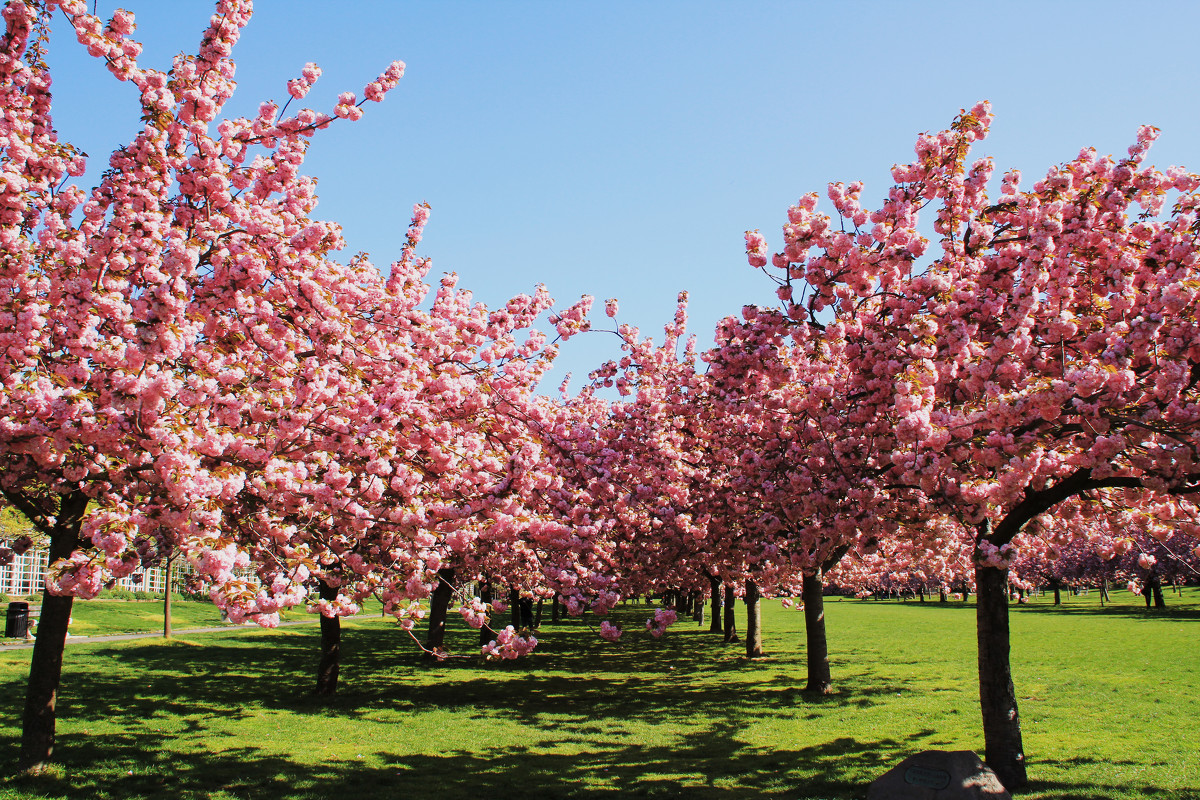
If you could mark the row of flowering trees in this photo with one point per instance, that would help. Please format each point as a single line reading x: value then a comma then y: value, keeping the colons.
x: 187, y: 369
x: 1038, y: 376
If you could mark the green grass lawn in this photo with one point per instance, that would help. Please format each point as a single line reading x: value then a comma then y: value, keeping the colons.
x: 1108, y: 700
x: 102, y: 617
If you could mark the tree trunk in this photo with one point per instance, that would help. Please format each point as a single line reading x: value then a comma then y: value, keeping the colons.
x: 714, y: 625
x: 554, y: 609
x: 514, y: 608
x: 819, y: 679
x: 537, y: 614
x: 439, y: 605
x: 921, y: 593
x: 941, y: 595
x: 997, y: 697
x: 167, y: 598
x: 753, y: 621
x: 1156, y: 588
x: 1104, y: 592
x: 1057, y: 592
x: 486, y: 634
x: 331, y: 645
x: 698, y: 605
x: 45, y: 666
x: 730, y: 623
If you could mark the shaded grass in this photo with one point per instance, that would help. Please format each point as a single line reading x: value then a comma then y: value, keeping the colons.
x: 1108, y: 702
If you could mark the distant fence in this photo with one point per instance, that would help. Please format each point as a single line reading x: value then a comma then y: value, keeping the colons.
x: 26, y: 575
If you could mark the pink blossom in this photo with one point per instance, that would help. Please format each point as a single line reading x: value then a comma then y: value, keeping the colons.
x: 609, y: 631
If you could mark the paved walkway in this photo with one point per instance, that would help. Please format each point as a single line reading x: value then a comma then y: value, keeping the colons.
x: 25, y: 644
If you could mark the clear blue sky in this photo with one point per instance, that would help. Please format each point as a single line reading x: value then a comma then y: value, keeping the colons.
x: 621, y: 148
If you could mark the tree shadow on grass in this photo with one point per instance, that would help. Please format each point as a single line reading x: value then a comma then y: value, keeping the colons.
x: 223, y: 677
x: 1174, y: 613
x: 572, y: 684
x: 1182, y: 610
x: 714, y: 764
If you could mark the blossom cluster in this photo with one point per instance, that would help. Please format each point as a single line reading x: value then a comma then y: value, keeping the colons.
x: 508, y: 645
x: 663, y: 618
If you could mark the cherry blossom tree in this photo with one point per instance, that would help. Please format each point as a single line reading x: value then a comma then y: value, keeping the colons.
x: 633, y: 472
x: 1097, y: 543
x: 1047, y: 353
x: 120, y: 365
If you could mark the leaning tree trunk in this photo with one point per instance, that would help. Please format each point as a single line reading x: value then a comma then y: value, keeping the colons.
x: 439, y: 606
x: 730, y: 623
x: 45, y: 667
x: 714, y: 625
x: 819, y: 678
x: 331, y: 646
x: 1003, y: 750
x: 754, y: 647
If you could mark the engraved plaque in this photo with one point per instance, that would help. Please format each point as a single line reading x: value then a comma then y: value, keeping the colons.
x: 929, y: 778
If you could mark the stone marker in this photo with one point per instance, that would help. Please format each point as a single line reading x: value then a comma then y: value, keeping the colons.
x: 939, y: 775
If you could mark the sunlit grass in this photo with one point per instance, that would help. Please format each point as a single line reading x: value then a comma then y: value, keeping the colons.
x: 1108, y: 700
x: 103, y: 617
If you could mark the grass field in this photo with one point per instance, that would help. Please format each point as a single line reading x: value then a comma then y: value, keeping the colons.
x: 103, y: 617
x: 1109, y: 702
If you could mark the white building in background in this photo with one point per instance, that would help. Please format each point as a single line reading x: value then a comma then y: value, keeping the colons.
x: 26, y: 575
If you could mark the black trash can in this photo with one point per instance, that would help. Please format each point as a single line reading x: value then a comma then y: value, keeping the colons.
x: 17, y: 624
